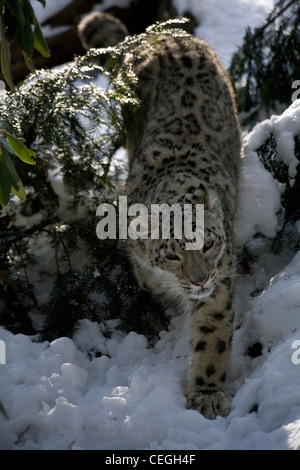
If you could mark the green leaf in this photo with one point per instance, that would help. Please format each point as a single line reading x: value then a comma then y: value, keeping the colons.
x: 16, y: 10
x: 9, y: 180
x: 40, y: 44
x: 5, y: 180
x: 24, y: 153
x: 16, y: 185
x: 12, y: 25
x: 28, y: 11
x: 5, y: 57
x: 5, y: 144
x: 25, y: 39
x: 29, y: 62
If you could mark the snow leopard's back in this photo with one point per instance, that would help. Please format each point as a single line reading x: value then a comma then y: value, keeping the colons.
x: 188, y: 116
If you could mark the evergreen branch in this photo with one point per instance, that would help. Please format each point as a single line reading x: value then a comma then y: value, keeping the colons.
x: 75, y: 129
x: 17, y: 234
x: 260, y: 31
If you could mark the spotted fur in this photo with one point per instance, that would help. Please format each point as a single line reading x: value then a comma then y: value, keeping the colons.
x: 184, y: 147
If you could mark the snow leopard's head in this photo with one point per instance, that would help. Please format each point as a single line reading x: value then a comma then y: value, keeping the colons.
x: 167, y: 268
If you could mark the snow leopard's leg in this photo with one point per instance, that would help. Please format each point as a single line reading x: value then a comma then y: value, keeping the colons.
x: 211, y: 335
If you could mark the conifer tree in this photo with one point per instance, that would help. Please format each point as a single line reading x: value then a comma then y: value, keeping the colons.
x: 267, y: 64
x: 265, y: 71
x: 73, y: 129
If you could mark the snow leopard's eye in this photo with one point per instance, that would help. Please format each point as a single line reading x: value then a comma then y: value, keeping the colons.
x: 208, y: 245
x: 172, y: 257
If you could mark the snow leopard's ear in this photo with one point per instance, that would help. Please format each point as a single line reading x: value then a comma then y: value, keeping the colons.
x: 210, y: 200
x: 205, y: 197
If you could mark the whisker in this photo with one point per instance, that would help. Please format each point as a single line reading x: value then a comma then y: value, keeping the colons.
x: 228, y: 275
x: 233, y: 265
x: 227, y: 269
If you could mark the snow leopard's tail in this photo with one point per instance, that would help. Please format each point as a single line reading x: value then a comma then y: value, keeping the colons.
x: 100, y: 29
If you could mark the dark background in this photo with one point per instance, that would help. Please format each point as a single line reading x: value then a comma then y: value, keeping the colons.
x: 64, y: 46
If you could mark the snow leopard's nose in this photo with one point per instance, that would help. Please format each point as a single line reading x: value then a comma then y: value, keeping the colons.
x: 196, y: 268
x: 200, y: 283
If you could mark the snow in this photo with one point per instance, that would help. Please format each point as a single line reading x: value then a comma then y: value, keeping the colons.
x: 106, y: 390
x: 132, y: 396
x: 259, y: 189
x: 220, y: 20
x: 285, y: 128
x: 260, y: 195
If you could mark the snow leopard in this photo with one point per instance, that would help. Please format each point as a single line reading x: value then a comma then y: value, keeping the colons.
x: 184, y: 147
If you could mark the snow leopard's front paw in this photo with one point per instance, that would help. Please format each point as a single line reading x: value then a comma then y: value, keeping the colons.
x: 210, y: 403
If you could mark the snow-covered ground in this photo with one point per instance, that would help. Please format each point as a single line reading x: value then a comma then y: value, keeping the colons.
x: 102, y: 391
